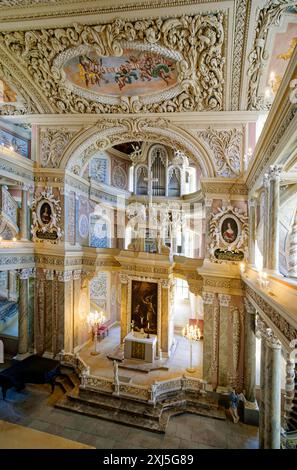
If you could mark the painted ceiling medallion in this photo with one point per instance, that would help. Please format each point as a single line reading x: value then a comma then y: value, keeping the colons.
x: 135, y: 73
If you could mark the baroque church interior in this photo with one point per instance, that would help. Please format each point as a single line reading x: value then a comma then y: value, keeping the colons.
x: 148, y: 224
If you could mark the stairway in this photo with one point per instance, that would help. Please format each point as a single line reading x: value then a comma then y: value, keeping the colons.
x: 138, y: 414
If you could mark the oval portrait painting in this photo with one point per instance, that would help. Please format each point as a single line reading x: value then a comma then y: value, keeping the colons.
x: 229, y: 230
x: 45, y: 213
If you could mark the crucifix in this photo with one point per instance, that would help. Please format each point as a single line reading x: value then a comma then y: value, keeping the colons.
x: 150, y: 180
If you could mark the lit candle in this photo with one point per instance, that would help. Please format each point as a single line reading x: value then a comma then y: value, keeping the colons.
x: 148, y: 325
x: 14, y: 239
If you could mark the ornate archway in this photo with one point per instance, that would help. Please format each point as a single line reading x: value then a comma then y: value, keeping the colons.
x: 110, y: 132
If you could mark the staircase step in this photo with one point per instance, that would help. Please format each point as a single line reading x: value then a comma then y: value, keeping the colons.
x: 112, y: 403
x: 117, y: 416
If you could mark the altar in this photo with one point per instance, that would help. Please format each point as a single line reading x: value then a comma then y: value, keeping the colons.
x: 138, y: 346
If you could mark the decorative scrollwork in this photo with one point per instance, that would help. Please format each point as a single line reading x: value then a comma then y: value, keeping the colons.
x: 196, y: 40
x: 226, y: 146
x: 53, y: 143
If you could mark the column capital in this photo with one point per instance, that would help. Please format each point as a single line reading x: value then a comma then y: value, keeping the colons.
x: 27, y: 187
x: 272, y: 341
x: 124, y: 278
x: 224, y: 300
x: 25, y: 273
x: 208, y: 298
x: 252, y: 202
x: 261, y: 327
x: 208, y: 202
x: 249, y: 306
x: 274, y: 172
x: 49, y: 274
x: 268, y: 335
x: 77, y: 274
x: 165, y: 283
x: 266, y: 181
x: 64, y: 276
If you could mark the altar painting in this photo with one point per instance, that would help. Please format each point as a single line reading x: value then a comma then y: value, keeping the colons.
x: 144, y: 306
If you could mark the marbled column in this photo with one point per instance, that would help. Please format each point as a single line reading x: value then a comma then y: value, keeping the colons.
x: 23, y: 311
x: 49, y: 310
x: 65, y: 279
x: 124, y: 299
x: 266, y: 222
x: 252, y: 235
x: 24, y: 216
x: 273, y: 392
x: 273, y: 229
x: 262, y: 392
x: 208, y: 298
x: 39, y: 327
x: 12, y: 294
x: 250, y: 352
x: 224, y: 366
x: 215, y: 343
x: 164, y: 317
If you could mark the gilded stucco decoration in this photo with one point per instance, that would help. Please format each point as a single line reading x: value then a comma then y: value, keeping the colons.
x: 53, y: 142
x: 46, y: 216
x: 228, y: 234
x: 226, y: 146
x: 194, y: 42
x: 268, y: 17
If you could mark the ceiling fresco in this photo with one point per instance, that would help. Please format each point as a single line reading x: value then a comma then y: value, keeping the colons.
x: 135, y: 73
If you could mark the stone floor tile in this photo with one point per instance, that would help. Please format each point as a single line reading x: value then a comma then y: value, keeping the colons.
x: 39, y: 425
x: 210, y: 437
x: 71, y: 434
